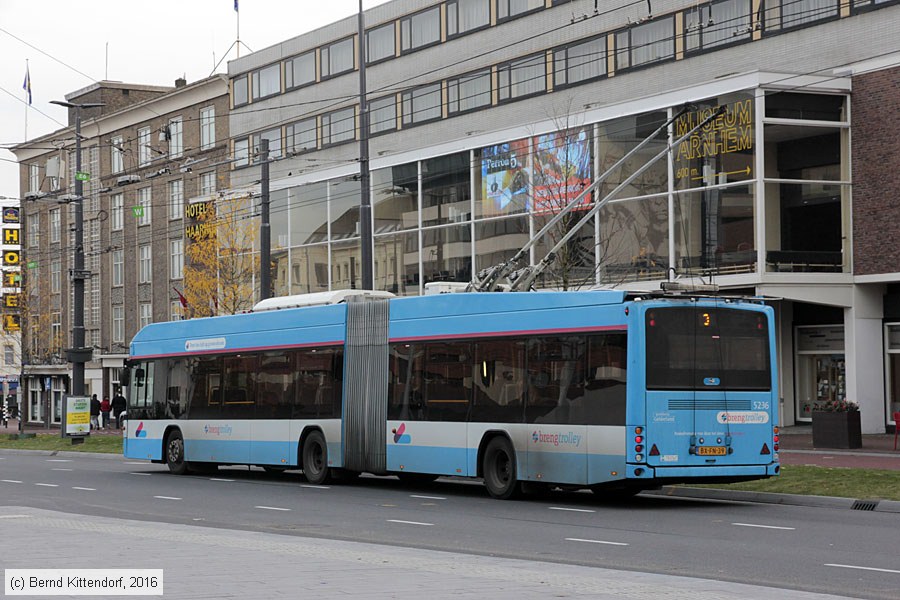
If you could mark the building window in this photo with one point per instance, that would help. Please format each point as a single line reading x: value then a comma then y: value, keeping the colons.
x: 467, y: 15
x: 339, y: 126
x: 794, y: 13
x: 383, y: 114
x: 512, y: 8
x: 176, y: 264
x: 176, y: 199
x: 34, y: 178
x: 118, y: 324
x: 117, y: 156
x: 422, y: 104
x: 469, y: 92
x: 338, y: 58
x: 55, y: 282
x: 54, y: 225
x: 9, y: 355
x: 300, y: 136
x: 242, y: 152
x: 274, y: 137
x: 581, y: 62
x: 56, y: 337
x: 239, y: 90
x: 266, y: 81
x: 207, y: 183
x: 34, y: 230
x: 645, y: 44
x: 717, y: 24
x: 143, y: 206
x: 144, y: 157
x: 118, y: 267
x: 380, y: 43
x: 174, y: 135
x: 421, y: 29
x: 145, y: 314
x: 521, y: 78
x: 300, y: 70
x: 145, y: 264
x: 207, y: 127
x: 116, y: 205
x: 176, y: 310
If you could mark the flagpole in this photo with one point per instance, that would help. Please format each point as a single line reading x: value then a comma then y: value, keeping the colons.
x: 28, y: 94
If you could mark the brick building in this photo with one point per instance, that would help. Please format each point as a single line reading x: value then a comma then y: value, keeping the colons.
x: 149, y: 152
x: 792, y: 196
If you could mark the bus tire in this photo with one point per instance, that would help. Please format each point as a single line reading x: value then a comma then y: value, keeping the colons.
x: 175, y: 453
x: 499, y: 468
x: 315, y: 458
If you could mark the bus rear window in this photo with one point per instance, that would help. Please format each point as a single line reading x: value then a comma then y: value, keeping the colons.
x: 707, y: 349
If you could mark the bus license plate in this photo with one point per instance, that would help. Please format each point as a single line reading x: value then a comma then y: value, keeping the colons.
x: 711, y: 451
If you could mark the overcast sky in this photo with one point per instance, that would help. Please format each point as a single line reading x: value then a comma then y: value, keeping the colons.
x: 70, y: 45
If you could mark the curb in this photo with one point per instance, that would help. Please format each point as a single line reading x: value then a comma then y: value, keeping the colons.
x: 887, y: 506
x: 63, y: 453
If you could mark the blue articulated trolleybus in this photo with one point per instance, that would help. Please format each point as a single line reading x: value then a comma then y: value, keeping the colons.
x: 591, y: 389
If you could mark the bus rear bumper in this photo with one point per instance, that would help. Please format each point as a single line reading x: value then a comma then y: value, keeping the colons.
x: 720, y: 473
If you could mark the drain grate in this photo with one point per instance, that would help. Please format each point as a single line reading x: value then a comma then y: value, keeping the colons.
x: 864, y: 504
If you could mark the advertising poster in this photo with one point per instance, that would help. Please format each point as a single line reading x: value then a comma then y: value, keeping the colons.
x: 562, y: 169
x: 504, y: 178
x: 78, y: 415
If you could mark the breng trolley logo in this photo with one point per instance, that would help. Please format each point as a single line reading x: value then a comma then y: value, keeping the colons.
x: 217, y: 429
x: 556, y: 439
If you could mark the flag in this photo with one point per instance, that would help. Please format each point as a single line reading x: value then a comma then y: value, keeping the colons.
x: 236, y: 6
x: 27, y: 84
x: 181, y: 298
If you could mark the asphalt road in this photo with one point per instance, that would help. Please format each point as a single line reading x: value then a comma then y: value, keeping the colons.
x: 820, y: 550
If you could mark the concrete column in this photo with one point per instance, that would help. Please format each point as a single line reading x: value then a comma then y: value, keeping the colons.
x: 784, y: 345
x: 864, y: 351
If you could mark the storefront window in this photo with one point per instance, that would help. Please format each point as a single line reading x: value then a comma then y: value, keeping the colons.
x: 446, y: 196
x: 821, y: 371
x: 714, y: 231
x: 309, y: 213
x: 634, y: 240
x: 397, y: 263
x: 309, y: 269
x: 574, y: 265
x: 447, y: 253
x: 498, y: 240
x: 395, y: 193
x: 346, y: 266
x: 343, y: 197
x: 616, y: 139
x: 502, y: 179
x: 893, y: 368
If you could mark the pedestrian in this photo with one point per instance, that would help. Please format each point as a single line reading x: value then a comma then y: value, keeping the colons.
x: 118, y: 407
x: 95, y: 412
x: 105, y: 407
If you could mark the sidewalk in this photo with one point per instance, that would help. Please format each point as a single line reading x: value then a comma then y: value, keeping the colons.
x: 13, y: 427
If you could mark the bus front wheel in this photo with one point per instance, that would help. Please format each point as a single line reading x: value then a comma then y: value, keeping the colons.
x: 315, y: 458
x: 175, y: 453
x: 499, y: 466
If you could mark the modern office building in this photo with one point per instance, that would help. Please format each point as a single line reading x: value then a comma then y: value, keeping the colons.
x: 486, y: 116
x: 149, y: 153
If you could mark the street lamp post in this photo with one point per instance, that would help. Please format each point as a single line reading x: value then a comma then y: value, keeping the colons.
x: 78, y: 354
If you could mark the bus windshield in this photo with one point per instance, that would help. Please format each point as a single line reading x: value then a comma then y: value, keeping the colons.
x: 703, y: 348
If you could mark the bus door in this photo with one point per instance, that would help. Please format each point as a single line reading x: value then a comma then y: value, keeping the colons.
x: 710, y: 388
x: 270, y: 430
x: 555, y: 408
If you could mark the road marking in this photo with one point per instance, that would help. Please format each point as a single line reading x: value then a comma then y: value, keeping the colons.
x: 167, y: 497
x: 410, y: 522
x: 47, y: 484
x: 764, y: 526
x: 85, y: 489
x: 58, y: 460
x: 14, y: 516
x: 316, y: 487
x: 596, y: 542
x: 144, y: 474
x: 584, y: 510
x: 219, y: 479
x: 426, y: 497
x: 862, y: 568
x: 10, y: 481
x: 271, y: 508
x: 135, y: 463
x: 58, y: 469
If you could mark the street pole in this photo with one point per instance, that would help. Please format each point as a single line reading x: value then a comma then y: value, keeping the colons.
x: 365, y: 201
x: 78, y: 355
x: 265, y: 228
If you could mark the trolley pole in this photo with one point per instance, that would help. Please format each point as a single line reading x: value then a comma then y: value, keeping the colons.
x: 265, y: 227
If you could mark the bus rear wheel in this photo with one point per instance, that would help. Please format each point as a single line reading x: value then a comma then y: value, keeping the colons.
x: 499, y: 467
x: 175, y: 453
x: 315, y: 458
